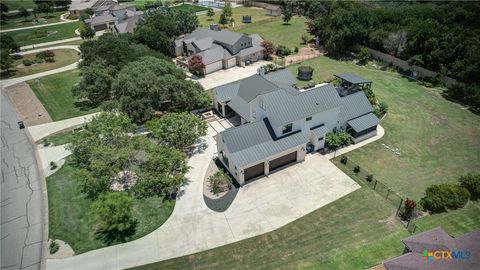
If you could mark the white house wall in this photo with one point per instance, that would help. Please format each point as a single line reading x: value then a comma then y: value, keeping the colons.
x: 213, y: 67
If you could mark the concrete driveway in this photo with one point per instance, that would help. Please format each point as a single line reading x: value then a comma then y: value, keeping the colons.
x: 260, y: 207
x: 225, y: 76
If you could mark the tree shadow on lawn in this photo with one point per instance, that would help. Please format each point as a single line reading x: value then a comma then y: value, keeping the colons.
x: 115, y: 236
x: 85, y: 105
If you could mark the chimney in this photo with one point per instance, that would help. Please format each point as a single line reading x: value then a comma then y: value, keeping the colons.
x: 214, y: 27
x: 261, y: 71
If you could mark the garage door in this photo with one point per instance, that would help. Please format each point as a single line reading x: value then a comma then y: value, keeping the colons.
x: 213, y: 67
x: 283, y: 160
x: 231, y: 62
x: 254, y: 171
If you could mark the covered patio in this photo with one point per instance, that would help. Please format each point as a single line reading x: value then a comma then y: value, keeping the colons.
x: 351, y: 83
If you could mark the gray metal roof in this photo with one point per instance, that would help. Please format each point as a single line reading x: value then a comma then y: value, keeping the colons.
x: 256, y: 39
x: 241, y: 107
x: 250, y: 50
x: 283, y: 76
x: 320, y: 131
x: 352, y: 78
x: 363, y: 122
x: 253, y: 142
x: 353, y: 106
x: 226, y: 92
x: 284, y: 108
x: 254, y: 86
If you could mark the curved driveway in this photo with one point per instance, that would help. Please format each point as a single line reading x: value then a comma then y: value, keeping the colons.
x: 9, y: 82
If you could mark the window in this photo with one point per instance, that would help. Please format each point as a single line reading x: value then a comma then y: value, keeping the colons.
x: 225, y: 160
x: 287, y: 128
x: 308, y: 118
x: 319, y: 139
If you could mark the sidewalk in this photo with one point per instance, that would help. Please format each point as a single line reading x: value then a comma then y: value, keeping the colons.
x: 28, y: 47
x: 39, y: 132
x: 380, y: 133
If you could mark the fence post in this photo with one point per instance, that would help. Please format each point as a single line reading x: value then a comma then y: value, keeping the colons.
x: 399, y: 206
x: 374, y: 186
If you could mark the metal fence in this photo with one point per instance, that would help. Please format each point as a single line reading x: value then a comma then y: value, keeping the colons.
x: 365, y: 178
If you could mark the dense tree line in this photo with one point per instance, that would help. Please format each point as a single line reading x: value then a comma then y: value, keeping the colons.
x: 441, y: 36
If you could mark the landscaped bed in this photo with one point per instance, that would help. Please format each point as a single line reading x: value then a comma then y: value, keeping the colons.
x: 18, y: 22
x: 71, y: 218
x: 62, y: 58
x: 437, y: 139
x: 55, y: 93
x: 45, y: 34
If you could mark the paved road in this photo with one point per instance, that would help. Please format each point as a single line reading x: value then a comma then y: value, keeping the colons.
x: 9, y: 82
x: 22, y: 211
x: 35, y: 26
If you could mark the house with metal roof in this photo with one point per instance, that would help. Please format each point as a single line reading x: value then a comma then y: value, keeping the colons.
x: 280, y: 124
x: 436, y: 250
x: 220, y: 49
x: 114, y: 17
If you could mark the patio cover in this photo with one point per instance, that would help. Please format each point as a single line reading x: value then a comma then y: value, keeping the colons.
x: 352, y: 78
x: 364, y: 122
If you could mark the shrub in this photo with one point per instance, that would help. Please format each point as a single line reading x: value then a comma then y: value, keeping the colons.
x: 369, y: 178
x: 356, y: 169
x: 26, y: 62
x: 16, y: 56
x: 40, y: 33
x: 54, y: 246
x: 38, y: 60
x: 46, y: 142
x: 72, y: 17
x: 49, y: 59
x: 409, y: 208
x: 304, y: 38
x: 296, y: 50
x: 472, y: 183
x: 440, y: 197
x: 45, y: 54
x: 344, y: 160
x: 53, y: 165
x: 219, y: 182
x: 283, y: 50
x: 363, y: 56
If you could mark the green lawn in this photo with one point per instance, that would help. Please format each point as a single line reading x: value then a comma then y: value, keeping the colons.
x: 281, y: 34
x: 188, y: 7
x: 16, y: 4
x: 438, y: 139
x: 55, y: 32
x: 258, y: 15
x: 71, y: 219
x: 62, y: 58
x: 55, y: 93
x: 17, y: 22
x: 61, y: 138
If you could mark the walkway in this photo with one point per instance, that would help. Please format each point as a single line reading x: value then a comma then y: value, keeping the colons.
x: 9, y: 82
x: 45, y: 44
x: 35, y: 26
x: 23, y: 214
x: 260, y: 207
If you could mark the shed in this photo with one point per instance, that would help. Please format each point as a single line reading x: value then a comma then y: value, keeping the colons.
x: 273, y: 10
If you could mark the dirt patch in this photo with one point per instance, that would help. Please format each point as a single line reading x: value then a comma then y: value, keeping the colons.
x: 27, y: 105
x: 303, y: 54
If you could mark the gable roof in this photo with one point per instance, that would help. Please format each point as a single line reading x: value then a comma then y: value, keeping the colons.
x: 212, y: 55
x: 254, y: 142
x: 103, y: 19
x: 254, y: 86
x: 284, y: 108
x: 353, y: 106
x: 226, y: 92
x: 127, y: 25
x: 203, y: 44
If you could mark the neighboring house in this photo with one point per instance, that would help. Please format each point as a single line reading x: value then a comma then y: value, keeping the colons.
x: 280, y: 124
x: 114, y: 17
x: 78, y: 7
x: 220, y: 49
x: 273, y: 10
x: 435, y: 250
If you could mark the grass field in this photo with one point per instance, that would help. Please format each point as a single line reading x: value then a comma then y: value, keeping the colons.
x: 28, y: 37
x: 62, y: 57
x: 258, y: 15
x: 17, y: 22
x: 438, y: 139
x: 71, y: 219
x: 16, y: 4
x: 281, y: 34
x: 55, y: 93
